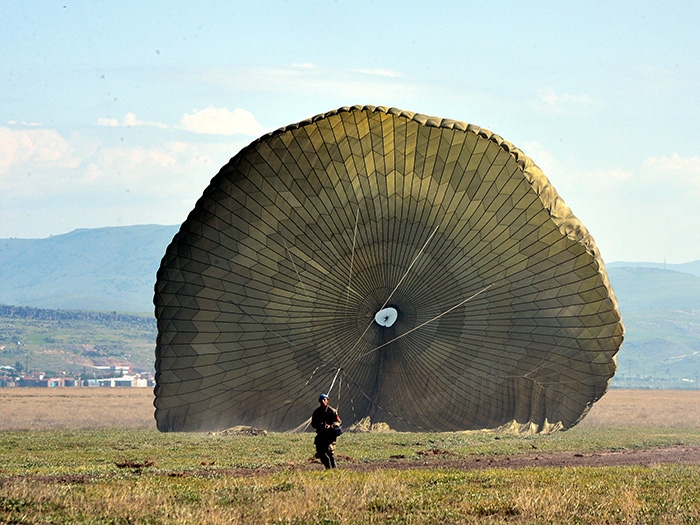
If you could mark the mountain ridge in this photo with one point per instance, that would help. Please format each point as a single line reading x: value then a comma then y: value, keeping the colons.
x: 114, y: 269
x: 110, y: 268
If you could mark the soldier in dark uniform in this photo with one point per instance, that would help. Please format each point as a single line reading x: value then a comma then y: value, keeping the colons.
x: 326, y: 421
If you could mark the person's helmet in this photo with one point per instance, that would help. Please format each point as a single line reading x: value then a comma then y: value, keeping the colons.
x: 322, y: 397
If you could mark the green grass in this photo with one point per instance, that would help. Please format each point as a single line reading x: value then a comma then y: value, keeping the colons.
x: 74, y: 477
x: 97, y: 451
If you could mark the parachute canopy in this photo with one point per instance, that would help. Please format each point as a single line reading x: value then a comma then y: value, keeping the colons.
x: 422, y: 271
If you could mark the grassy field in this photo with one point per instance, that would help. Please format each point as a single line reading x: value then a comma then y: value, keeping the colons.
x: 140, y: 476
x: 68, y: 467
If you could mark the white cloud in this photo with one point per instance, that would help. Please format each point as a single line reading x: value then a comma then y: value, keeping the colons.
x: 305, y: 65
x: 604, y: 178
x: 617, y: 174
x: 221, y: 121
x: 35, y: 146
x: 209, y: 121
x: 654, y: 180
x: 674, y: 162
x: 24, y: 123
x: 157, y: 171
x: 369, y: 86
x: 108, y: 121
x: 638, y: 212
x: 379, y: 72
x: 156, y: 181
x: 677, y: 175
x: 129, y: 120
x: 543, y: 158
x: 130, y: 163
x: 572, y: 179
x: 548, y: 96
x: 564, y: 104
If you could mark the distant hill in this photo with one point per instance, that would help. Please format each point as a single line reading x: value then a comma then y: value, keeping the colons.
x: 693, y: 268
x: 107, y: 269
x: 661, y: 313
x: 74, y: 341
x: 114, y: 269
x: 640, y: 289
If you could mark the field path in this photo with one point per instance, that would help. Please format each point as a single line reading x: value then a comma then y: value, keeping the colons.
x: 681, y: 454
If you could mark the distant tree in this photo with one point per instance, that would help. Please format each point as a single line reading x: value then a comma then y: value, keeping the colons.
x: 18, y: 367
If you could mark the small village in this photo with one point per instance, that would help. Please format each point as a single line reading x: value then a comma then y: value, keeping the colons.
x: 105, y: 376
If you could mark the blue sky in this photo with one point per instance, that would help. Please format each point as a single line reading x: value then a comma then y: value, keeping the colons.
x: 119, y: 113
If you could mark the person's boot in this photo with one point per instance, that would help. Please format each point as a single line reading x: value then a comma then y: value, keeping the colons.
x: 326, y: 462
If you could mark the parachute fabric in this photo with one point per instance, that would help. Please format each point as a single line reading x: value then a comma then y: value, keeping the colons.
x: 425, y: 268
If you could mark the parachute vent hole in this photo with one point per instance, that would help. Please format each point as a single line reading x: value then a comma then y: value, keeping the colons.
x: 386, y: 317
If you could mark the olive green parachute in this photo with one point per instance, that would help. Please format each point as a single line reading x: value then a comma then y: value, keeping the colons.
x: 422, y: 271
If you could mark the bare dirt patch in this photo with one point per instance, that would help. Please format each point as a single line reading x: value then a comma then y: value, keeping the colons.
x: 689, y: 455
x: 679, y: 455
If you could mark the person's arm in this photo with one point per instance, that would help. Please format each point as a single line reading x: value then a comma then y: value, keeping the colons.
x: 316, y: 422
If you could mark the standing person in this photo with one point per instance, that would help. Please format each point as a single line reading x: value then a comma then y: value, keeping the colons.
x: 326, y: 421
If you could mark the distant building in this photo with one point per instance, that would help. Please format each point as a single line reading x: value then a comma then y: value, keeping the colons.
x: 124, y: 381
x: 45, y: 382
x: 39, y: 380
x: 114, y: 369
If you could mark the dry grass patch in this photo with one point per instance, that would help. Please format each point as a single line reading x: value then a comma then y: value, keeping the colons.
x: 94, y: 408
x: 667, y: 494
x: 76, y: 408
x: 646, y: 408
